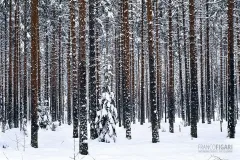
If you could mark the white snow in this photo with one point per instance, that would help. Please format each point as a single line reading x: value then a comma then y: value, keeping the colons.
x: 172, y: 146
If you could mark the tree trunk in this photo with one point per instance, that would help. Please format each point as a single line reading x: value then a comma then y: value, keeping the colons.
x: 171, y: 74
x: 153, y: 105
x: 231, y: 107
x: 208, y: 87
x: 92, y: 70
x: 83, y: 145
x: 142, y: 70
x: 193, y: 63
x: 34, y: 73
x: 74, y: 74
x: 126, y: 70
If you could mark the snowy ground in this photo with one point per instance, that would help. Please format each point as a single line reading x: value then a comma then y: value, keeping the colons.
x: 172, y: 146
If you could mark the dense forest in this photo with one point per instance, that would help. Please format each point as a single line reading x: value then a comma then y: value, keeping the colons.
x: 101, y: 64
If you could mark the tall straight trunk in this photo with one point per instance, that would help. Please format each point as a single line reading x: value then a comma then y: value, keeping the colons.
x: 121, y: 62
x: 6, y: 74
x: 34, y: 73
x: 159, y: 67
x: 60, y: 73
x: 126, y: 70
x: 54, y: 73
x: 208, y: 89
x: 187, y: 101
x: 10, y: 89
x: 83, y: 145
x: 171, y: 74
x: 133, y: 99
x: 1, y: 78
x: 226, y: 78
x: 119, y: 56
x: 238, y: 84
x: 92, y: 70
x: 97, y: 61
x: 74, y: 74
x: 193, y: 63
x: 202, y: 71
x: 180, y: 68
x: 153, y: 105
x: 231, y: 107
x: 46, y: 89
x: 25, y: 85
x: 221, y: 77
x: 16, y: 52
x: 69, y: 86
x: 142, y: 69
x: 20, y: 69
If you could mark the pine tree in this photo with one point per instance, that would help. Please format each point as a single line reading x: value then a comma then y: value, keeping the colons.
x: 180, y: 67
x: 92, y: 78
x: 34, y: 72
x: 142, y: 68
x: 171, y: 75
x: 202, y: 70
x: 231, y: 104
x: 152, y: 70
x: 25, y: 86
x: 10, y: 96
x: 159, y: 67
x: 193, y: 64
x: 54, y: 105
x: 208, y: 89
x: 69, y: 77
x: 187, y: 101
x: 60, y: 97
x: 126, y: 70
x: 16, y: 61
x: 83, y: 145
x: 74, y: 74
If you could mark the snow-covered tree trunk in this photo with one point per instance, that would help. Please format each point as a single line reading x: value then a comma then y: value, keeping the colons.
x: 171, y: 98
x: 231, y: 107
x: 193, y: 65
x: 152, y: 70
x: 92, y: 78
x: 83, y: 132
x: 75, y: 67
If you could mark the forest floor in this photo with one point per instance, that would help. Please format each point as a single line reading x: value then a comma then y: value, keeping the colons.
x: 59, y: 145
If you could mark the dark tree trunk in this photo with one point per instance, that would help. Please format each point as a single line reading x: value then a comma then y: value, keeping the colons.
x: 83, y: 145
x: 10, y: 89
x: 92, y: 70
x: 34, y: 73
x: 231, y: 107
x: 142, y: 70
x: 159, y: 69
x: 25, y: 88
x: 208, y: 87
x: 202, y: 72
x: 69, y: 77
x: 221, y: 77
x: 74, y: 74
x: 16, y: 53
x: 6, y: 74
x: 171, y: 74
x: 193, y: 63
x: 60, y: 74
x: 126, y: 70
x: 153, y: 105
x: 54, y: 74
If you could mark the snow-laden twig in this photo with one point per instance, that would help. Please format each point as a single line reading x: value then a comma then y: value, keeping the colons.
x: 5, y: 156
